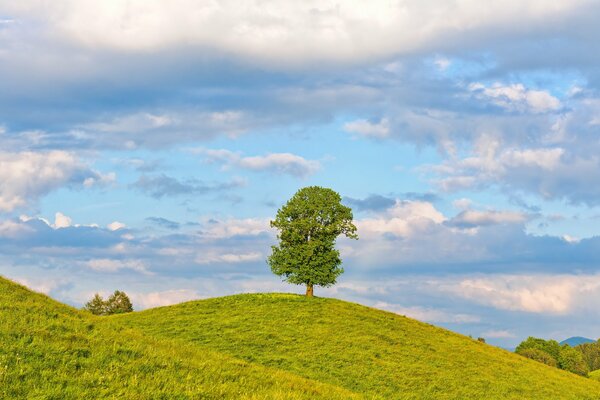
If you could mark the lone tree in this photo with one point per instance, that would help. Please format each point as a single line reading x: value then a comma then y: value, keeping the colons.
x: 309, y: 224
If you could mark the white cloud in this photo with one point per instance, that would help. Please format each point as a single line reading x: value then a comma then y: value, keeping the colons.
x: 27, y: 176
x: 472, y: 218
x: 287, y: 31
x: 516, y: 97
x: 498, y: 334
x: 61, y: 221
x: 229, y: 258
x: 116, y: 225
x: 283, y: 163
x: 163, y: 298
x: 427, y: 314
x: 112, y: 265
x: 404, y: 219
x: 552, y: 294
x: 362, y: 127
x: 215, y: 229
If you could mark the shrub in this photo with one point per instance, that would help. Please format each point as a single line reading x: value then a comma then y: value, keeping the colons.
x: 539, y: 356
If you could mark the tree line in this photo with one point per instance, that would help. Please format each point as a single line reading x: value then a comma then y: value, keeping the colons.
x: 580, y: 360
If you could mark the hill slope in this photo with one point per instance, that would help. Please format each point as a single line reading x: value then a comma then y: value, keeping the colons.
x: 368, y: 351
x: 51, y: 351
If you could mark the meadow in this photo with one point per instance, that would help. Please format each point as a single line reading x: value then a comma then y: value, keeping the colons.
x: 255, y: 346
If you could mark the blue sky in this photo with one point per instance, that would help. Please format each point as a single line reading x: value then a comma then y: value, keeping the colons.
x: 146, y: 145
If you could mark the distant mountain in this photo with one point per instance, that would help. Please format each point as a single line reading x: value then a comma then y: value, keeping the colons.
x: 576, y: 340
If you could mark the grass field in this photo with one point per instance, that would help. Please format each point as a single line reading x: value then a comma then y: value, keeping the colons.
x: 255, y: 347
x: 51, y: 351
x: 367, y: 351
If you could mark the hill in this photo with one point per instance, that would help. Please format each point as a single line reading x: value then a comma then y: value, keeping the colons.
x: 254, y: 347
x: 51, y: 351
x: 375, y: 353
x: 576, y: 340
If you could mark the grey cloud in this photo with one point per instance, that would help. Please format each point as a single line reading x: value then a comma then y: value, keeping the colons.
x: 162, y: 185
x: 374, y: 202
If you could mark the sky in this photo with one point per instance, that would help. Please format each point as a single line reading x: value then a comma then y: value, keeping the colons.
x: 145, y: 145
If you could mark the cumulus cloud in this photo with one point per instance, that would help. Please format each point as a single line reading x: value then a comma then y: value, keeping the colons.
x: 426, y: 314
x: 143, y: 301
x: 115, y: 265
x: 516, y: 97
x: 221, y: 229
x: 494, y: 334
x: 474, y: 218
x: 283, y: 163
x: 299, y: 33
x: 27, y: 176
x: 162, y: 185
x: 229, y: 258
x: 363, y: 127
x: 544, y: 293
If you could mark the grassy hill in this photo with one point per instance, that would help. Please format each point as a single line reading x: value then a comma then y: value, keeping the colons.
x: 51, y: 351
x: 255, y: 347
x: 367, y: 351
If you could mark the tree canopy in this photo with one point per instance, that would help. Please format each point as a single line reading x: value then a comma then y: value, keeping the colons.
x: 117, y: 303
x: 309, y: 224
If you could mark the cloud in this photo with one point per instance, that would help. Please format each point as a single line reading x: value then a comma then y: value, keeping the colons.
x: 372, y: 203
x: 159, y: 186
x: 498, y: 334
x: 216, y: 229
x: 516, y: 97
x: 282, y: 163
x: 230, y: 258
x: 114, y: 265
x: 543, y: 293
x: 362, y: 127
x: 143, y: 301
x: 428, y: 314
x: 289, y: 32
x: 27, y: 176
x: 163, y: 222
x: 550, y: 172
x: 474, y: 218
x: 61, y: 221
x: 115, y: 226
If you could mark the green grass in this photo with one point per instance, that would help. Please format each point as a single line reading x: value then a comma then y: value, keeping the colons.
x: 255, y: 347
x: 52, y: 351
x: 367, y: 351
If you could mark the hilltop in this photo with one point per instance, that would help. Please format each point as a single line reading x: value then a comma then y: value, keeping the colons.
x: 260, y: 346
x: 364, y: 350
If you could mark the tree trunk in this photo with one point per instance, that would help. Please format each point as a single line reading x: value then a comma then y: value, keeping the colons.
x: 309, y: 290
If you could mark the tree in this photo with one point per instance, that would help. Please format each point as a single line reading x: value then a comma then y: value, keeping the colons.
x: 309, y: 224
x: 118, y: 303
x: 539, y: 356
x: 591, y: 354
x: 552, y: 347
x: 96, y: 305
x: 571, y: 360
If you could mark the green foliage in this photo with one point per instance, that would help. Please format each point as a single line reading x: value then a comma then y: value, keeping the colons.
x: 309, y: 224
x: 539, y: 356
x: 551, y: 347
x: 591, y: 354
x: 96, y: 305
x: 118, y: 303
x: 376, y: 354
x: 54, y: 352
x: 571, y: 360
